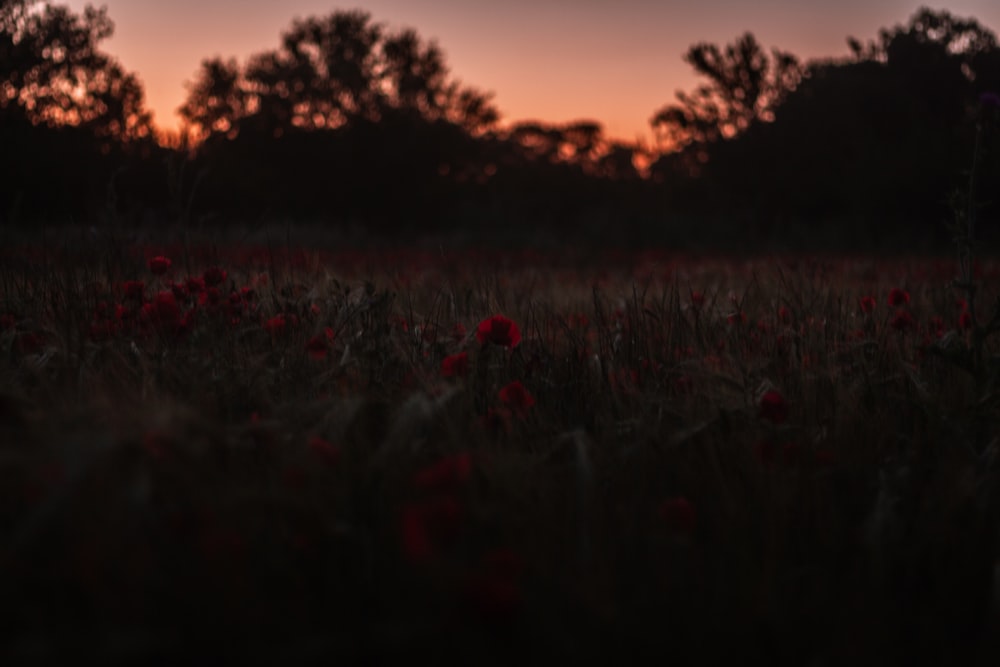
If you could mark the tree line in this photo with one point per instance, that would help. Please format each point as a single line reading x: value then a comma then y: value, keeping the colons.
x: 346, y: 122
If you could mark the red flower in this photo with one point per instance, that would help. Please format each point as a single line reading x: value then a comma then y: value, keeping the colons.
x: 773, y: 407
x: 898, y: 297
x: 516, y: 397
x: 211, y: 297
x: 276, y: 325
x: 679, y: 515
x: 447, y: 473
x: 159, y: 265
x: 902, y: 320
x: 965, y: 320
x: 867, y: 304
x: 456, y: 365
x: 498, y: 330
x: 213, y: 276
x: 316, y: 347
x: 162, y: 312
x: 784, y: 315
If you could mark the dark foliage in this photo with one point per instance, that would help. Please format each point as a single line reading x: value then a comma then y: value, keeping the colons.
x: 347, y: 123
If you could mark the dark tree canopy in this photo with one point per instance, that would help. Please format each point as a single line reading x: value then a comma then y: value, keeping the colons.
x: 744, y: 85
x: 76, y: 137
x: 873, y: 144
x: 52, y: 72
x: 328, y: 72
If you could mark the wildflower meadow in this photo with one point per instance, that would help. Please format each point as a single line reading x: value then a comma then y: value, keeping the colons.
x: 467, y: 455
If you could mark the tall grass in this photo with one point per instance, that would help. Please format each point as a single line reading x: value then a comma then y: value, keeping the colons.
x: 215, y: 477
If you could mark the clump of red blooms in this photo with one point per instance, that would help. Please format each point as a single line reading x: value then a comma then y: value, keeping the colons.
x: 498, y: 330
x: 773, y: 407
x: 867, y: 304
x: 163, y: 313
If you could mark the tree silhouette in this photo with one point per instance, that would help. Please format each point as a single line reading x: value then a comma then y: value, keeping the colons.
x: 872, y: 144
x: 52, y: 72
x: 71, y: 118
x: 331, y: 71
x: 744, y: 85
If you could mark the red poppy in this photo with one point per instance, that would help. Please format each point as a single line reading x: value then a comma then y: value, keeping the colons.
x: 773, y: 407
x: 162, y: 312
x: 159, y: 265
x: 498, y: 330
x: 898, y: 297
x: 214, y: 276
x: 211, y: 297
x: 516, y: 397
x: 697, y: 299
x: 449, y: 472
x: 679, y: 515
x: 785, y: 315
x: 316, y: 347
x: 867, y: 304
x: 455, y: 365
x: 965, y: 320
x: 276, y: 325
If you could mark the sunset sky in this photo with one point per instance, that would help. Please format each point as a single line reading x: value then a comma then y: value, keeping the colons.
x: 552, y: 60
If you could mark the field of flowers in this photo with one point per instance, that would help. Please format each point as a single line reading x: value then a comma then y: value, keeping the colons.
x: 290, y: 454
